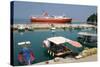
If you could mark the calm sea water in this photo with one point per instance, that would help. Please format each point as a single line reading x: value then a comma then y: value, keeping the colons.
x: 36, y: 38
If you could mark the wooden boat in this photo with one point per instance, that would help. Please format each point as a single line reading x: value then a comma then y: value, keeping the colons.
x: 60, y: 46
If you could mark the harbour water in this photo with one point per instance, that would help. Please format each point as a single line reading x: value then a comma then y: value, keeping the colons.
x: 36, y: 38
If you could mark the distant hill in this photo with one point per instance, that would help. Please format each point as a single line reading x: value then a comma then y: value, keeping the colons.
x: 92, y: 19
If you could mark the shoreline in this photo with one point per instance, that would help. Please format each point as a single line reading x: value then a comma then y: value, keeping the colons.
x: 71, y: 60
x: 51, y: 26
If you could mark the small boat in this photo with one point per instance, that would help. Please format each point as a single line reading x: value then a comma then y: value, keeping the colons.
x: 26, y: 55
x: 60, y: 46
x: 29, y: 28
x: 25, y: 44
x: 88, y: 39
x: 21, y: 28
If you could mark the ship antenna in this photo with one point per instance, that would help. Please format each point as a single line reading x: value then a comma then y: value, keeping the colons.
x: 45, y: 13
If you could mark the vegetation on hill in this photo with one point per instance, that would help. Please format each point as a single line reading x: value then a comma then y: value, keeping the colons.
x: 92, y: 19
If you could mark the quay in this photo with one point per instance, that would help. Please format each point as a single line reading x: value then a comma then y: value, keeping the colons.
x: 70, y: 60
x: 49, y: 26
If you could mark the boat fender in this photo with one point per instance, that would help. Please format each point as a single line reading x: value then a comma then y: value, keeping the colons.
x: 52, y: 54
x: 46, y: 43
x: 48, y: 51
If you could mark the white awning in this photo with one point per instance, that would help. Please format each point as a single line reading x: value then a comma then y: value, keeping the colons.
x: 24, y: 43
x: 21, y: 43
x: 87, y: 34
x: 58, y: 40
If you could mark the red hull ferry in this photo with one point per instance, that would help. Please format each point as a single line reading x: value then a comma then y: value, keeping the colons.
x: 50, y: 19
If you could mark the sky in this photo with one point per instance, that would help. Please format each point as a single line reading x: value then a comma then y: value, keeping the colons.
x: 24, y: 10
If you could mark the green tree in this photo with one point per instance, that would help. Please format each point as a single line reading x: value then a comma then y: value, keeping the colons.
x: 92, y: 19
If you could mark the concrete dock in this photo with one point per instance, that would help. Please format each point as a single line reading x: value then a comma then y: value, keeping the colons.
x: 48, y: 26
x: 71, y: 60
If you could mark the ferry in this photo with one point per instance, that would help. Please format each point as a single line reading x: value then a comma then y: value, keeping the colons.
x: 45, y: 18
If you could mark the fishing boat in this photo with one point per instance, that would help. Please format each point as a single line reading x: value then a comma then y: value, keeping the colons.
x: 45, y: 18
x: 21, y: 28
x: 60, y: 46
x: 26, y: 55
x: 88, y: 39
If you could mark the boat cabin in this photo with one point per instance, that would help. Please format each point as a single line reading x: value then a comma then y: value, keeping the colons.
x: 56, y: 46
x: 88, y: 39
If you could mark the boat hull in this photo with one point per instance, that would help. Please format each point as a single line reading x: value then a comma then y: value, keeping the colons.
x: 51, y: 20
